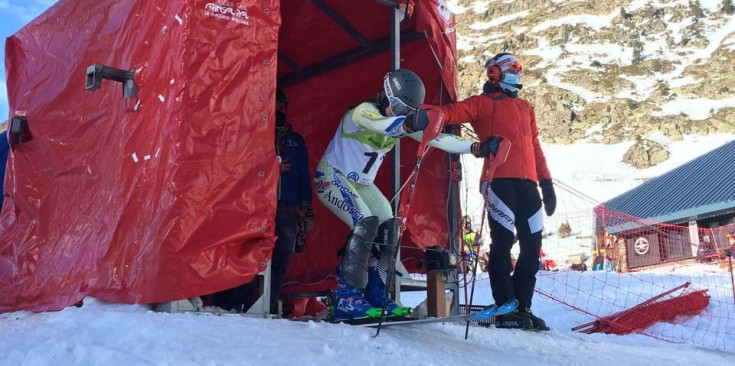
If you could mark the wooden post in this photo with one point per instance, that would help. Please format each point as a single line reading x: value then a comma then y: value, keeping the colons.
x: 436, y: 300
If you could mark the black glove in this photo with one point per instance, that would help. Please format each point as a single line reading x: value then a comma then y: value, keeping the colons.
x: 549, y: 197
x: 416, y: 122
x: 487, y: 147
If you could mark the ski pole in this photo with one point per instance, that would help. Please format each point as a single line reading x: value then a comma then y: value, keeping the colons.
x: 403, y: 214
x: 474, y: 270
x: 500, y: 157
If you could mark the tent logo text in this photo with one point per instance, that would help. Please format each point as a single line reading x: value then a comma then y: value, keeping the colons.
x: 443, y: 10
x: 226, y: 10
x: 450, y: 30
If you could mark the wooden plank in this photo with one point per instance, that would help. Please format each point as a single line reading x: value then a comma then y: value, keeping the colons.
x: 436, y: 300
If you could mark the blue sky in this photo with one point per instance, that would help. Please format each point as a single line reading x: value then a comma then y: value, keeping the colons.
x: 14, y: 14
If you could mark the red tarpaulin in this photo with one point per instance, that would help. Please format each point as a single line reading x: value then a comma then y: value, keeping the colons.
x: 172, y: 194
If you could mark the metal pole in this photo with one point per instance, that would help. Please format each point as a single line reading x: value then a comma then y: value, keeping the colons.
x: 453, y: 231
x: 732, y: 279
x: 395, y: 63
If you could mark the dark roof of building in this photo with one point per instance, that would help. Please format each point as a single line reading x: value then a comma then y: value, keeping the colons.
x: 699, y: 188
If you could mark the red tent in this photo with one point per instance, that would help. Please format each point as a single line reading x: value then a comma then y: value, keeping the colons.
x: 171, y: 193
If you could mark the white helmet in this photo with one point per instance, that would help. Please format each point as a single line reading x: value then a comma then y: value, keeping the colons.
x: 505, y: 71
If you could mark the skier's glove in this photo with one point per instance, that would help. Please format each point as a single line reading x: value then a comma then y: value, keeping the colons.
x: 487, y: 147
x: 306, y: 216
x: 547, y: 190
x: 416, y: 122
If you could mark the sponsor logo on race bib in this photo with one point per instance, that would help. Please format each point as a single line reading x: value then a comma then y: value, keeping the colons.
x: 345, y: 204
x: 321, y: 185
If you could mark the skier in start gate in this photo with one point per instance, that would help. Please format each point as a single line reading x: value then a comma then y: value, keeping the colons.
x: 344, y: 184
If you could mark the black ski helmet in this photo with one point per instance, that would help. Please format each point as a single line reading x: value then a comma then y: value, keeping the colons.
x: 403, y: 91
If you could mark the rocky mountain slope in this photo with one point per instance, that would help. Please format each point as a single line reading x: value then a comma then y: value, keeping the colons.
x: 613, y: 71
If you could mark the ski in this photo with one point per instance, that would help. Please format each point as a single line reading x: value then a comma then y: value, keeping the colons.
x: 486, y: 315
x: 412, y: 321
x: 494, y: 310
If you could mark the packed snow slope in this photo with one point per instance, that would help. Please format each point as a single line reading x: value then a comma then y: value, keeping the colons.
x: 123, y: 335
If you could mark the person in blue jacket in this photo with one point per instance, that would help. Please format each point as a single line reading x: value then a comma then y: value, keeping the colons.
x: 293, y: 214
x: 294, y: 195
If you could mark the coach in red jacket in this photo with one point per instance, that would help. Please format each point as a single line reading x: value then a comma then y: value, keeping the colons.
x: 514, y: 203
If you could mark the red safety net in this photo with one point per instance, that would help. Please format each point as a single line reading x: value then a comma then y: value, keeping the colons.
x: 656, y: 309
x: 628, y: 274
x: 619, y: 274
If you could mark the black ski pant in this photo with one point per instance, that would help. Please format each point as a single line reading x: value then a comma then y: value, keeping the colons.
x: 514, y: 204
x: 286, y: 228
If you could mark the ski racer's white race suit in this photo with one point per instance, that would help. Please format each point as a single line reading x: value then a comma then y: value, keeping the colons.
x: 345, y: 174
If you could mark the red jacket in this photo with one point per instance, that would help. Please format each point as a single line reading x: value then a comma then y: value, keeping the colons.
x: 510, y: 118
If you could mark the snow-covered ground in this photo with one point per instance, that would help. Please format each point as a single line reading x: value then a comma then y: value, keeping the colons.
x: 124, y: 335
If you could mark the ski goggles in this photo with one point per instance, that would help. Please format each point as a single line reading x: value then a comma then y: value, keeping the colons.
x: 510, y: 65
x: 514, y: 68
x: 397, y: 106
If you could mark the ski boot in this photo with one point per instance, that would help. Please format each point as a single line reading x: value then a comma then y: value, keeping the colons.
x: 352, y: 274
x: 514, y: 320
x: 349, y: 304
x: 538, y: 323
x: 375, y: 294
